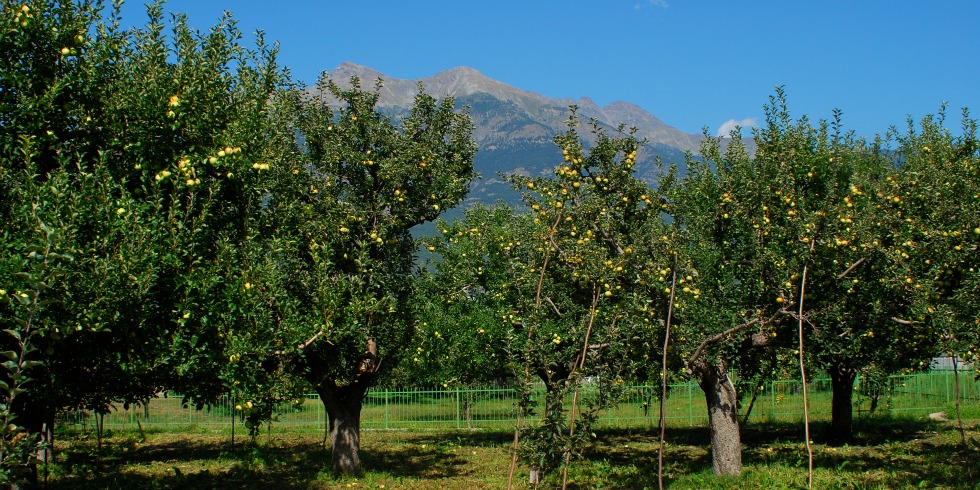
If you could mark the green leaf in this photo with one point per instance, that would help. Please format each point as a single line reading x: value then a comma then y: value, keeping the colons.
x: 31, y: 364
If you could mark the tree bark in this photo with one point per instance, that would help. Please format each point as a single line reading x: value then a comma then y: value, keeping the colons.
x: 842, y: 415
x: 726, y: 440
x: 45, y: 454
x: 343, y: 405
x: 38, y: 421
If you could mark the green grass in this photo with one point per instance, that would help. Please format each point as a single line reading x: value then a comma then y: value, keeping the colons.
x: 494, y: 408
x: 886, y: 453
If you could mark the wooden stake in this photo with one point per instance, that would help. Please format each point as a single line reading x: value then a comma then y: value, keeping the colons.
x: 663, y: 376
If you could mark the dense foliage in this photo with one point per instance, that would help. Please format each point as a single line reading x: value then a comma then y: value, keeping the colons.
x: 177, y: 214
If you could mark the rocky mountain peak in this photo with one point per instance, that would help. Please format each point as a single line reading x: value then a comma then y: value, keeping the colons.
x: 514, y: 128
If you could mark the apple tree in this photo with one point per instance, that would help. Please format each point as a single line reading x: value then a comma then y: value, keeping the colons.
x: 329, y: 267
x: 728, y: 279
x: 830, y: 219
x: 464, y: 299
x: 560, y: 283
x: 932, y: 202
x: 786, y: 236
x: 123, y: 147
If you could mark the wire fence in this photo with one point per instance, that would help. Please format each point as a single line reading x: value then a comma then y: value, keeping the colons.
x: 495, y: 407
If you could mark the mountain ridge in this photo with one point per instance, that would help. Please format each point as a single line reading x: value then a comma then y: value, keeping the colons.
x: 462, y: 81
x: 515, y: 128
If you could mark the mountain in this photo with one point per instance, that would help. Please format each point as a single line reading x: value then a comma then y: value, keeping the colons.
x: 514, y: 128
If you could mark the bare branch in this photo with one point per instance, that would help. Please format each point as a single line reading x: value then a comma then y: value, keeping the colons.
x: 608, y: 239
x: 849, y: 269
x: 544, y: 267
x: 552, y: 303
x: 721, y: 336
x: 312, y: 339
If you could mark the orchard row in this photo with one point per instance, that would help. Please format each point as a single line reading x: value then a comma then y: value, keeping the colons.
x: 178, y: 214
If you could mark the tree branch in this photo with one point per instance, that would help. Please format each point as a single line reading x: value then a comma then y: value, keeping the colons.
x: 849, y: 269
x: 552, y: 303
x: 721, y: 336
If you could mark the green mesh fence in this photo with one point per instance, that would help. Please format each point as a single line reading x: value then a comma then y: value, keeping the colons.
x: 495, y: 407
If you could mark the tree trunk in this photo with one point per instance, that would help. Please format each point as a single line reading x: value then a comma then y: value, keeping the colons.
x: 343, y: 405
x: 842, y: 415
x: 46, y: 453
x: 726, y: 441
x: 38, y: 421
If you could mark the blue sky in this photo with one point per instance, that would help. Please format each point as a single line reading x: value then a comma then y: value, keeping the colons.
x: 690, y: 63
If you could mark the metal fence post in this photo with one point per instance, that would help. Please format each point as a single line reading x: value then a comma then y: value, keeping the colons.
x: 690, y: 404
x: 387, y: 397
x: 947, y: 387
x: 459, y: 413
x: 854, y: 399
x: 772, y: 400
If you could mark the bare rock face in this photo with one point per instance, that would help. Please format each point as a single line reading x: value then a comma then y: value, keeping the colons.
x: 514, y: 128
x: 463, y: 82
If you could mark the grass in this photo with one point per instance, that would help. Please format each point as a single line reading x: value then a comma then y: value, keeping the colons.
x: 886, y: 453
x: 494, y: 408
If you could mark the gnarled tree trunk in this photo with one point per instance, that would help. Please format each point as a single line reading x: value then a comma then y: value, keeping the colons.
x: 726, y: 440
x: 842, y: 415
x: 343, y: 405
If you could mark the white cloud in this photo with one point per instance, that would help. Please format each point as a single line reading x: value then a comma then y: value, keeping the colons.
x: 730, y: 124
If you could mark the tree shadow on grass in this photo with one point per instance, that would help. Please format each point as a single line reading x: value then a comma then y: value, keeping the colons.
x: 429, y: 463
x: 429, y: 455
x: 189, y: 464
x: 471, y: 438
x: 892, y: 463
x: 884, y: 452
x: 630, y: 457
x: 194, y: 463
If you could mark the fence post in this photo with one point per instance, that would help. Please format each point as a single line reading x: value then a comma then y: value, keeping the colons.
x: 855, y: 400
x: 387, y: 396
x: 772, y: 400
x: 320, y: 422
x: 459, y: 413
x: 947, y: 387
x: 690, y: 404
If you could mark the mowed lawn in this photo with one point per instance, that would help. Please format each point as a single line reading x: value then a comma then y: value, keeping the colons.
x: 886, y: 453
